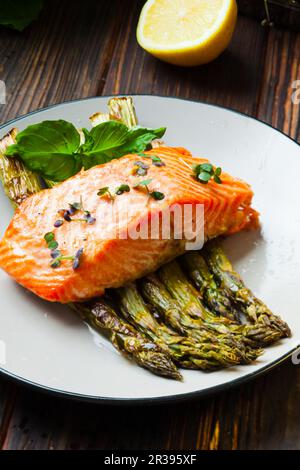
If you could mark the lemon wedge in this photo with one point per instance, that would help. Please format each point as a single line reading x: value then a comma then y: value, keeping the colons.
x: 186, y: 32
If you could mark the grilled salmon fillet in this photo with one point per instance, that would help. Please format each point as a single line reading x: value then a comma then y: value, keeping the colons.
x: 109, y: 258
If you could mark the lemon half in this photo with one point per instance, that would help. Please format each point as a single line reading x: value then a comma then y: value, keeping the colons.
x: 186, y: 32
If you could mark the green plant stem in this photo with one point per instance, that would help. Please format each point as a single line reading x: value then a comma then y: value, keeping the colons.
x: 196, y: 268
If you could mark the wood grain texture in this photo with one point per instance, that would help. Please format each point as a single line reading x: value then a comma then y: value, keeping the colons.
x: 281, y: 70
x: 90, y: 49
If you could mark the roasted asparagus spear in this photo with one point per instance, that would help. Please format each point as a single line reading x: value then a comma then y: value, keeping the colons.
x: 254, y: 309
x: 157, y: 296
x: 100, y: 315
x: 188, y: 298
x: 196, y: 268
x: 185, y: 350
x: 18, y: 182
x: 120, y: 109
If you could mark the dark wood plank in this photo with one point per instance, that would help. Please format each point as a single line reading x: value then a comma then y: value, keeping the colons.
x: 259, y: 415
x: 233, y: 80
x: 7, y: 402
x: 64, y: 55
x: 71, y: 53
x: 281, y: 70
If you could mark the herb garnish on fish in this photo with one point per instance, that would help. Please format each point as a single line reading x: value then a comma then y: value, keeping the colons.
x: 123, y: 188
x: 73, y: 209
x: 140, y: 168
x: 157, y: 161
x: 205, y: 172
x: 157, y: 195
x: 105, y: 192
x: 56, y: 255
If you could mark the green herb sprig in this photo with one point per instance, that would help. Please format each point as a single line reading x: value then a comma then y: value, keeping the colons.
x: 123, y: 188
x: 143, y: 183
x: 157, y: 195
x: 105, y: 192
x: 157, y: 161
x: 50, y: 240
x: 56, y: 254
x: 67, y: 214
x: 140, y: 168
x: 205, y: 172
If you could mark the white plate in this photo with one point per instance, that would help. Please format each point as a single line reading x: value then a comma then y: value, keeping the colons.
x: 47, y: 346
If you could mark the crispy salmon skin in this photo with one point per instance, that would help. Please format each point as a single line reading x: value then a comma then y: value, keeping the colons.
x: 109, y: 258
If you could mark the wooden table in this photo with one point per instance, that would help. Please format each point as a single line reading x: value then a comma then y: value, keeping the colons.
x: 90, y: 49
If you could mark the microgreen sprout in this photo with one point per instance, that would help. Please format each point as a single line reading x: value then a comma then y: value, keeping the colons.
x: 140, y: 168
x: 143, y: 183
x: 48, y: 237
x: 66, y: 216
x: 157, y: 161
x: 58, y: 258
x: 89, y: 218
x: 205, y: 172
x: 53, y: 245
x: 105, y: 192
x: 157, y: 195
x: 77, y: 258
x: 73, y: 209
x: 123, y: 188
x: 58, y: 223
x: 56, y: 255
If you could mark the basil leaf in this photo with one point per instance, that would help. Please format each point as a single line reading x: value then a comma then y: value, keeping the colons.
x: 139, y: 138
x: 48, y: 148
x: 113, y: 140
x: 88, y: 142
x: 52, y: 148
x: 19, y: 13
x: 107, y: 138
